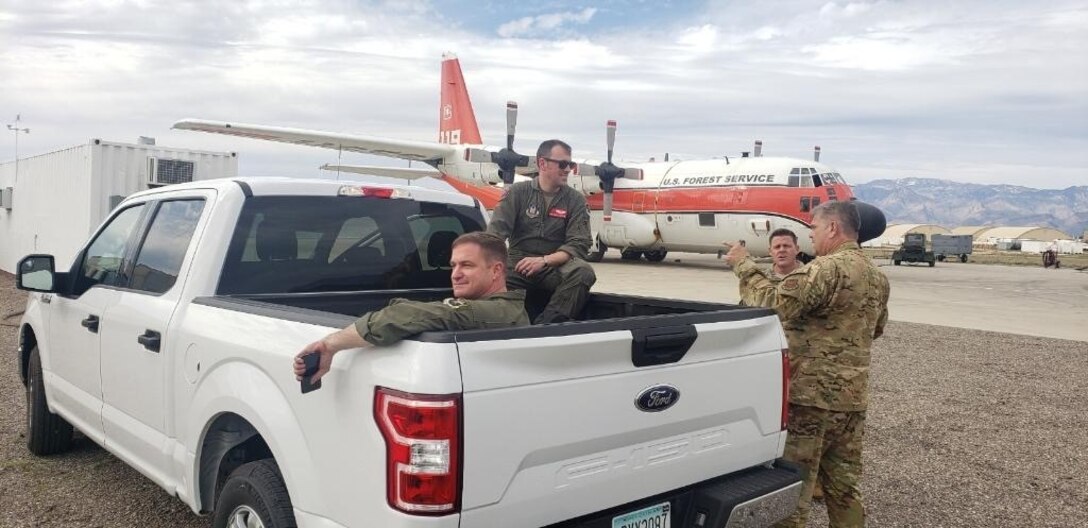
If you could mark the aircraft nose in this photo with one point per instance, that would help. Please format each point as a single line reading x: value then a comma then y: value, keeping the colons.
x: 873, y: 221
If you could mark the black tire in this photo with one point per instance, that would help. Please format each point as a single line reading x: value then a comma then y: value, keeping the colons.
x: 630, y: 254
x: 963, y: 259
x: 255, y: 488
x: 656, y: 255
x: 940, y: 258
x: 897, y: 262
x: 46, y: 433
x: 932, y: 263
x: 598, y: 254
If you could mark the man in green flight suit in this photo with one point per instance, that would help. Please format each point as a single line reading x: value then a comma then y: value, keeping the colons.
x: 547, y: 223
x: 838, y: 304
x: 480, y: 300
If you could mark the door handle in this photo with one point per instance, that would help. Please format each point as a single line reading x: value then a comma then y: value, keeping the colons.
x: 150, y: 340
x: 90, y: 323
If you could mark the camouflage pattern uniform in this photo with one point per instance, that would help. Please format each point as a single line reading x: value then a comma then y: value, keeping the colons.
x: 831, y: 310
x: 404, y: 318
x: 536, y: 228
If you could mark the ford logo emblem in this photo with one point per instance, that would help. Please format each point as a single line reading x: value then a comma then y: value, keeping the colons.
x: 657, y: 398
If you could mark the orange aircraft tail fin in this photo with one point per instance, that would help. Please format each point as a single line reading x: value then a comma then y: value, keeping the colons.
x: 456, y: 120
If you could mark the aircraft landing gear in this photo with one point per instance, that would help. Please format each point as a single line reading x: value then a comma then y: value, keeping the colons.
x: 656, y: 255
x: 596, y: 254
x: 630, y: 254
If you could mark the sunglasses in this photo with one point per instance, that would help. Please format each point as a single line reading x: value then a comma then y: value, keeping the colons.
x: 563, y: 164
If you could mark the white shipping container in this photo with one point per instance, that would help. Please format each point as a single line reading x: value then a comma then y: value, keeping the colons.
x: 1071, y: 247
x: 58, y: 199
x: 1034, y: 246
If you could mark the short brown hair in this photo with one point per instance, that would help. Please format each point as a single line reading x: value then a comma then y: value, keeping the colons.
x: 546, y: 147
x: 783, y: 232
x: 494, y: 248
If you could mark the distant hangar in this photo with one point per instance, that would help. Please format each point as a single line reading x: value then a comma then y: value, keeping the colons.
x: 993, y: 234
x: 894, y: 233
x: 1001, y: 237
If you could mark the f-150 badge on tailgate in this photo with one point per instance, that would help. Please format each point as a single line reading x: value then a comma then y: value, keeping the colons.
x: 657, y: 398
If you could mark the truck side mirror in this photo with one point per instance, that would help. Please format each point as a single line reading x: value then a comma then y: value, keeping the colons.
x: 36, y: 273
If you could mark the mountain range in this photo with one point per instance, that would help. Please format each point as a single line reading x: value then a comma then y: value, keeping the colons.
x: 953, y: 204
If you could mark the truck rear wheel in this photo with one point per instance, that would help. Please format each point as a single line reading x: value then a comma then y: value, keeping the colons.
x: 932, y: 263
x: 46, y: 433
x: 963, y: 259
x: 255, y: 497
x: 630, y: 254
x: 897, y: 262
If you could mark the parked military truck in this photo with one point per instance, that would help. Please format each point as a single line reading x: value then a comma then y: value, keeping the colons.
x: 952, y: 246
x: 914, y: 250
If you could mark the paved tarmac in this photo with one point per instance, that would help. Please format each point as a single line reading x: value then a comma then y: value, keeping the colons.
x: 1017, y: 300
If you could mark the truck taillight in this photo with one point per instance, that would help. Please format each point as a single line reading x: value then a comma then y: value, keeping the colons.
x: 785, y: 388
x: 423, y: 450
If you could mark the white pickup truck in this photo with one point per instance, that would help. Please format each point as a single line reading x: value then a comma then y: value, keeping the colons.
x: 169, y: 341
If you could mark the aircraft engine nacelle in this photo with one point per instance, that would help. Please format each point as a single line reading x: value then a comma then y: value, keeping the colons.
x: 585, y: 182
x: 627, y: 230
x: 474, y: 169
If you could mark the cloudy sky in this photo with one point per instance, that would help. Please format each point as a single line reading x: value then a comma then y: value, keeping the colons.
x: 987, y: 91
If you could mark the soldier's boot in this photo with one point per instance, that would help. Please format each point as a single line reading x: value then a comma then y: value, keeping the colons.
x: 575, y: 277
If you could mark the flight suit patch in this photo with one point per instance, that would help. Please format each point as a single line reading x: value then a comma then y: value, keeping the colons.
x: 454, y: 302
x: 532, y: 211
x: 791, y: 284
x: 557, y: 213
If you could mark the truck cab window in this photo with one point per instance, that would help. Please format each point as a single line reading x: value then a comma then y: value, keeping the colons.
x: 102, y: 262
x: 159, y: 258
x: 294, y: 244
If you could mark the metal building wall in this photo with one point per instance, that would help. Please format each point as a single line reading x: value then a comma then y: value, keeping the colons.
x: 50, y: 209
x: 60, y: 198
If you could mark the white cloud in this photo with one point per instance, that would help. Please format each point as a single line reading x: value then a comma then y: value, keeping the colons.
x: 880, y: 86
x: 535, y: 25
x: 699, y: 39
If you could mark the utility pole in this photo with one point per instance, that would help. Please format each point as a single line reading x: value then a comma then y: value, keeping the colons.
x: 15, y: 128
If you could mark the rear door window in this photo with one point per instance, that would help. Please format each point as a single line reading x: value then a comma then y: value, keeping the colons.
x: 288, y: 244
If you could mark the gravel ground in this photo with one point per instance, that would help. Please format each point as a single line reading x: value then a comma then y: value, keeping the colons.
x: 965, y: 429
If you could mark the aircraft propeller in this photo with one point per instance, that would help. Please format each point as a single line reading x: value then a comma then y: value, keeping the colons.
x: 508, y: 160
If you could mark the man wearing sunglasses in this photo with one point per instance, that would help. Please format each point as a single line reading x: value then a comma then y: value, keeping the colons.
x: 547, y: 224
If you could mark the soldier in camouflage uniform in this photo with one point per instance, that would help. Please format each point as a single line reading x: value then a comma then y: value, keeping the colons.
x: 784, y: 251
x: 834, y: 307
x: 547, y: 224
x: 480, y: 301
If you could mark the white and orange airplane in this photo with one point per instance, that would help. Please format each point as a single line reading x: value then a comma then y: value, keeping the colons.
x: 645, y: 209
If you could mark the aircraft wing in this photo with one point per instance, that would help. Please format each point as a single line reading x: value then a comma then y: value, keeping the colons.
x: 407, y: 173
x: 378, y: 146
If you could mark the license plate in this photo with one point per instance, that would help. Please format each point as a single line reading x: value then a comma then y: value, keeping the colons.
x: 652, y: 517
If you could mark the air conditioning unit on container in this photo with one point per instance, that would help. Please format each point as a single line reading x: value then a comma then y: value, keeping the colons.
x: 161, y: 171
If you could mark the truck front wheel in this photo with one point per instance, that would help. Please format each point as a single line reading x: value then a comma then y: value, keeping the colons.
x: 46, y: 433
x: 255, y: 497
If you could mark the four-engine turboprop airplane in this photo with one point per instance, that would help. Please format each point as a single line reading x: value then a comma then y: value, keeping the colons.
x: 645, y: 209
